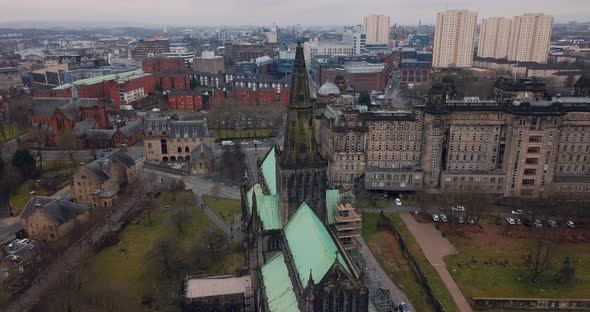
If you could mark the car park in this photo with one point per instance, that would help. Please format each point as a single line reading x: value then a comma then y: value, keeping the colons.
x: 458, y: 208
x: 518, y: 221
x: 443, y: 218
x: 511, y: 221
x: 256, y: 142
x: 435, y: 218
x: 404, y: 307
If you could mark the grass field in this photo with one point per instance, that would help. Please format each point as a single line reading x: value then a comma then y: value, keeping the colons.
x: 365, y: 202
x: 226, y: 209
x: 505, y: 274
x: 439, y: 289
x: 124, y: 266
x: 10, y: 132
x: 386, y: 249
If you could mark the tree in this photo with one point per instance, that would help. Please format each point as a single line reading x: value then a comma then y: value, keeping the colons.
x: 364, y: 98
x: 162, y: 252
x: 539, y: 260
x: 567, y: 272
x: 217, y: 242
x: 340, y: 82
x: 176, y: 186
x: 25, y: 163
x: 177, y: 219
x: 199, y: 257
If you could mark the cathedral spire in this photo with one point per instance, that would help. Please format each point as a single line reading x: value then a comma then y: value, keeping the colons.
x: 299, y: 145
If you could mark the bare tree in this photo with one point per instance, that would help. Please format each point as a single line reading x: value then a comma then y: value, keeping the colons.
x: 178, y: 220
x: 162, y: 252
x: 217, y: 242
x: 539, y: 260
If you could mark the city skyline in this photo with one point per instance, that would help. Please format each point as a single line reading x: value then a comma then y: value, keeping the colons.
x: 187, y: 13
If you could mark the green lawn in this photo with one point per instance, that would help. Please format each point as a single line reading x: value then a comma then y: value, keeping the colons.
x: 124, y: 265
x: 369, y: 202
x: 244, y: 134
x: 505, y: 274
x: 10, y: 132
x: 227, y: 209
x: 387, y: 251
x: 439, y: 289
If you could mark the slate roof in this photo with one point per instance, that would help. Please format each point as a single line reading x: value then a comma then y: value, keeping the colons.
x: 280, y: 295
x: 97, y: 136
x: 204, y: 149
x: 132, y: 128
x: 82, y: 126
x: 311, y: 245
x: 46, y: 107
x: 188, y: 129
x: 269, y: 171
x: 332, y: 199
x: 100, y: 166
x: 58, y: 210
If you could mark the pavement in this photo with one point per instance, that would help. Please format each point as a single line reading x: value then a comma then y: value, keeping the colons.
x: 233, y: 231
x: 397, y: 295
x: 200, y: 185
x: 435, y: 247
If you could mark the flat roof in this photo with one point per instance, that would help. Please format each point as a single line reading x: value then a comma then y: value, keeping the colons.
x: 216, y: 286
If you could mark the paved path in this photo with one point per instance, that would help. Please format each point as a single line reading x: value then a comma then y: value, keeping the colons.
x: 235, y: 232
x: 200, y: 185
x: 435, y: 248
x: 397, y: 295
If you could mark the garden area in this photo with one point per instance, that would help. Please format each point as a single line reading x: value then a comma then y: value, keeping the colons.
x: 386, y: 249
x: 226, y: 209
x: 144, y: 268
x: 223, y: 134
x: 491, y: 264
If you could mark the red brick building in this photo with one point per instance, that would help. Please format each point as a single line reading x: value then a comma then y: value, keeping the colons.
x: 358, y: 81
x: 50, y: 117
x: 163, y: 64
x: 172, y: 81
x: 191, y: 101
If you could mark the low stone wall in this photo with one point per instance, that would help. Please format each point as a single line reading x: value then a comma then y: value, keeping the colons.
x: 531, y: 304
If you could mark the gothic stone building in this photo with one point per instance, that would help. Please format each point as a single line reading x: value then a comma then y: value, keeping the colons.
x: 296, y: 261
x: 503, y: 147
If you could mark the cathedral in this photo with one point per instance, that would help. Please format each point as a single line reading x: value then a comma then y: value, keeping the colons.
x: 296, y: 261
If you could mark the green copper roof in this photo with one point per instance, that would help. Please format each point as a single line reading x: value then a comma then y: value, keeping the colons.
x: 269, y: 171
x: 267, y: 207
x: 255, y: 188
x: 277, y: 285
x: 269, y: 212
x: 332, y: 199
x: 311, y: 245
x: 99, y: 79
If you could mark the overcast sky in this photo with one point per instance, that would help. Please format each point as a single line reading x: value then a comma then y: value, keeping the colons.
x: 264, y: 12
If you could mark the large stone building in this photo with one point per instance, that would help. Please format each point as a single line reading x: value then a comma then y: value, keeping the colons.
x: 98, y: 183
x: 189, y: 141
x: 297, y: 262
x: 512, y: 146
x: 48, y: 219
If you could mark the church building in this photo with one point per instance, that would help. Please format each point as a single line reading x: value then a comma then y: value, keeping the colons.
x: 296, y: 260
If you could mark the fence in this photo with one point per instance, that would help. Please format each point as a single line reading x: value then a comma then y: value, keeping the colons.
x: 149, y: 165
x: 386, y: 223
x: 532, y: 304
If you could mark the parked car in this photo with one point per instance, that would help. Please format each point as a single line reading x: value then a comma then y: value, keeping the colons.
x: 435, y: 218
x: 244, y: 143
x: 511, y: 221
x: 256, y: 142
x: 458, y: 208
x: 398, y: 202
x: 404, y: 307
x: 443, y: 218
x: 461, y: 220
x: 538, y: 223
x: 570, y: 224
x: 517, y: 220
x: 552, y: 223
